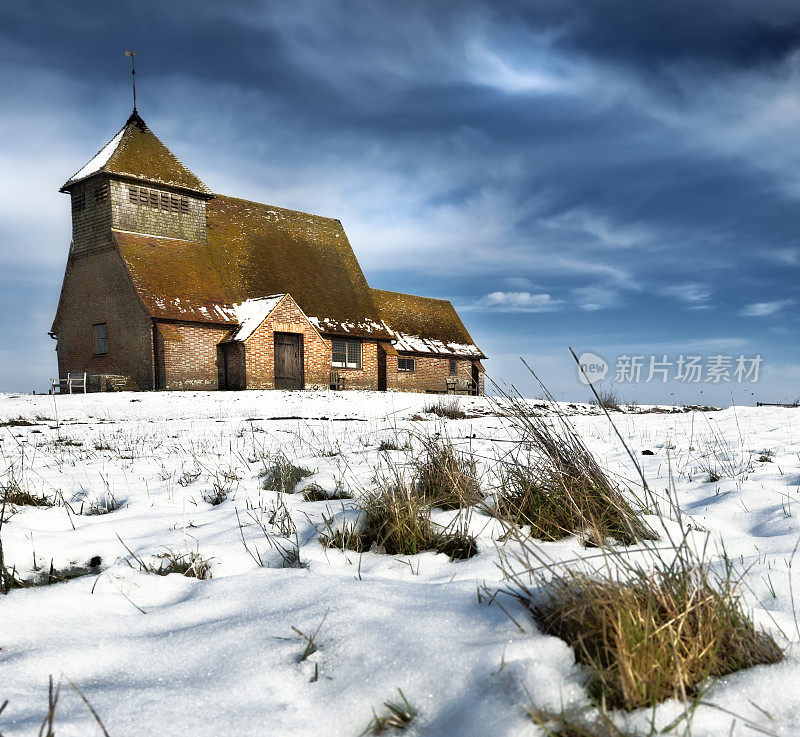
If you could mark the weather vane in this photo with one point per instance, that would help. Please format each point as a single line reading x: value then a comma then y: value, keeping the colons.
x: 132, y: 55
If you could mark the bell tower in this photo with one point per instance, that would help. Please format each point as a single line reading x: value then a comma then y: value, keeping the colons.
x: 135, y: 184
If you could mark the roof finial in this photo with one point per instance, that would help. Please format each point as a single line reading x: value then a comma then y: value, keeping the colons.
x: 132, y: 54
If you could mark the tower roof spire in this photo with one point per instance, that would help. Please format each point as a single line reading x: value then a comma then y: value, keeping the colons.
x: 132, y: 54
x: 136, y: 153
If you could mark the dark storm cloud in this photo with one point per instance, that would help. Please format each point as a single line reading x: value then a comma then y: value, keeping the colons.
x: 569, y: 164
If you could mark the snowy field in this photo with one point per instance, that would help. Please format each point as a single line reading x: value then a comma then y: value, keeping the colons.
x: 171, y: 655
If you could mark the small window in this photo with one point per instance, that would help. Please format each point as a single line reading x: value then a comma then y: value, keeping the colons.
x: 453, y: 367
x: 165, y: 201
x: 100, y: 334
x: 78, y: 201
x: 346, y: 353
x: 405, y: 364
x: 184, y: 205
x: 174, y: 203
x: 101, y: 192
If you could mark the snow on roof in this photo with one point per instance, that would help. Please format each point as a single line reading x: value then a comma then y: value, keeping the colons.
x: 100, y: 159
x: 416, y: 344
x: 251, y: 313
x: 424, y: 325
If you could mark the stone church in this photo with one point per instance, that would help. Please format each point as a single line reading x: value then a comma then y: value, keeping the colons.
x: 171, y: 286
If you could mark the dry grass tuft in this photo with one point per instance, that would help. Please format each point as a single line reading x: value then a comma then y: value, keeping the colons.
x: 216, y: 495
x: 400, y: 714
x: 608, y: 397
x: 316, y: 493
x: 562, y: 490
x: 17, y: 496
x: 283, y: 475
x: 645, y: 629
x: 190, y: 564
x: 446, y: 406
x: 446, y: 477
x: 656, y: 635
x: 397, y: 521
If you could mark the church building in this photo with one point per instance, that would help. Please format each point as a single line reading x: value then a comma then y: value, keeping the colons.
x: 171, y: 286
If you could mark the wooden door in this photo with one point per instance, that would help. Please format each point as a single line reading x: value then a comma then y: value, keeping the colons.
x: 381, y: 369
x: 476, y: 379
x: 288, y: 361
x: 233, y: 377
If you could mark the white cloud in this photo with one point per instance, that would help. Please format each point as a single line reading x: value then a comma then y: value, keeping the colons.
x: 602, y: 228
x: 515, y: 302
x: 595, y: 298
x: 692, y: 293
x: 544, y: 74
x: 764, y: 309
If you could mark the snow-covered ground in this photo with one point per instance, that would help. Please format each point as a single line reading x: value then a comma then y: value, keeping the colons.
x: 159, y: 655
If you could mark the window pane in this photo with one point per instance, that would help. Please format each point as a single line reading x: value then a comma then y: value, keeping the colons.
x: 100, y: 339
x: 453, y: 367
x: 354, y: 353
x: 339, y: 349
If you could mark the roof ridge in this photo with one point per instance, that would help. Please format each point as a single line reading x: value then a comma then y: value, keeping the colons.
x: 276, y: 207
x: 408, y: 294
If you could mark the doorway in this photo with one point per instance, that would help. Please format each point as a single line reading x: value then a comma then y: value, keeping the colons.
x: 288, y: 361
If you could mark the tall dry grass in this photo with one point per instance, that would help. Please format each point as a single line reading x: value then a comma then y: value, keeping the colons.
x: 553, y: 483
x: 446, y: 477
x: 646, y: 625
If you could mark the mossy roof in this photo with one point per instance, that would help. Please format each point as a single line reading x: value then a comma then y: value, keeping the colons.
x: 254, y: 250
x: 424, y: 324
x: 135, y: 151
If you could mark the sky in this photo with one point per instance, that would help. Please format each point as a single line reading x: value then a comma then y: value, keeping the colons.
x: 617, y: 176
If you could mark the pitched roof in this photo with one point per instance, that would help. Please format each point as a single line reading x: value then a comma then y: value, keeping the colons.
x: 254, y: 250
x: 136, y: 152
x: 251, y: 313
x: 424, y: 324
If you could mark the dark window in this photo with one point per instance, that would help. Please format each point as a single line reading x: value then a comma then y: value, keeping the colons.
x: 405, y: 364
x: 133, y: 194
x: 78, y: 201
x: 184, y: 205
x: 453, y: 367
x: 174, y: 203
x: 101, y: 192
x: 100, y: 334
x: 346, y: 353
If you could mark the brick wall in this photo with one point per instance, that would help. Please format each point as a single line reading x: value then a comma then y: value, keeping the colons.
x: 138, y: 218
x: 429, y: 373
x: 97, y: 290
x: 189, y: 356
x: 260, y: 349
x: 367, y: 376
